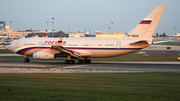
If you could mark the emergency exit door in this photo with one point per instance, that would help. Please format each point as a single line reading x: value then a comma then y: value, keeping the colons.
x: 40, y: 43
x: 118, y: 44
x: 17, y: 44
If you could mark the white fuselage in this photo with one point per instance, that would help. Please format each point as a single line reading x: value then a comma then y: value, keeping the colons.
x: 95, y: 47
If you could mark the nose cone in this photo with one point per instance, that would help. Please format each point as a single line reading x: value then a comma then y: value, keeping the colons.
x: 8, y: 47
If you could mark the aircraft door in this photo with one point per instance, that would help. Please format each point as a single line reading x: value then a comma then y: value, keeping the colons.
x: 40, y: 43
x: 17, y: 44
x: 118, y: 44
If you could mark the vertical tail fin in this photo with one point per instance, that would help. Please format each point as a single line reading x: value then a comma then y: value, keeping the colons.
x: 145, y: 29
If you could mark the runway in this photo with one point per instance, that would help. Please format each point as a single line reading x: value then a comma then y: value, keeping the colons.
x: 36, y: 66
x: 96, y: 66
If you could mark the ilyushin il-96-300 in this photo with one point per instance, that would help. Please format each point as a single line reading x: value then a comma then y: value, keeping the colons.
x: 82, y: 49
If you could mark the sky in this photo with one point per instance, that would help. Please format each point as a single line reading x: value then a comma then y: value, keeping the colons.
x: 93, y: 15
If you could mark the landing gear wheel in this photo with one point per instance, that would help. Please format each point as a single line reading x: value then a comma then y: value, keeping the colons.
x: 66, y: 61
x: 88, y: 61
x: 79, y: 61
x: 26, y: 60
x: 69, y: 62
x: 83, y: 61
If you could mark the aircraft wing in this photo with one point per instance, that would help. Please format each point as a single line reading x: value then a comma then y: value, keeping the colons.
x: 74, y: 53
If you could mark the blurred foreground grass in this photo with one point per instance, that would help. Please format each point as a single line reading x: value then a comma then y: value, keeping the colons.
x: 90, y: 86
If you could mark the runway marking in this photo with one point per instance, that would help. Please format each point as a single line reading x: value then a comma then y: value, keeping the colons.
x: 145, y: 55
x: 22, y: 65
x: 96, y: 66
x: 141, y: 53
x: 10, y: 55
x: 76, y: 66
x: 137, y: 62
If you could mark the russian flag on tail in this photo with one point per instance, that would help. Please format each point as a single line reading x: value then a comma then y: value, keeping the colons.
x: 145, y: 21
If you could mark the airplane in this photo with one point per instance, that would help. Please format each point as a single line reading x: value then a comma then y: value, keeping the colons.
x: 82, y: 49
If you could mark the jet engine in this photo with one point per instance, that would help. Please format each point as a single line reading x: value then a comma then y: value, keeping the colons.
x: 43, y: 55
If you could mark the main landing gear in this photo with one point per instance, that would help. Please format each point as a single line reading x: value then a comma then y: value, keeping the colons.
x: 84, y: 61
x: 79, y: 61
x: 26, y: 59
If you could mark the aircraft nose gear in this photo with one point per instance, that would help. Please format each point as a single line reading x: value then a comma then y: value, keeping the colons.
x: 69, y: 62
x: 26, y: 59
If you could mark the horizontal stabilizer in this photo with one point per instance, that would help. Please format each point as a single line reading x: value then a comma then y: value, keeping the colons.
x: 157, y: 42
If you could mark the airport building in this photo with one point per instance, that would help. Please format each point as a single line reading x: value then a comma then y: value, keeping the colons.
x: 2, y: 25
x: 49, y: 34
x: 9, y: 32
x: 99, y: 34
x: 173, y: 37
x: 76, y: 34
x: 177, y: 34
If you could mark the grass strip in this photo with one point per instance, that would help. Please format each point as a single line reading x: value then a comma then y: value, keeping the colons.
x: 118, y: 58
x: 5, y: 51
x: 139, y: 58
